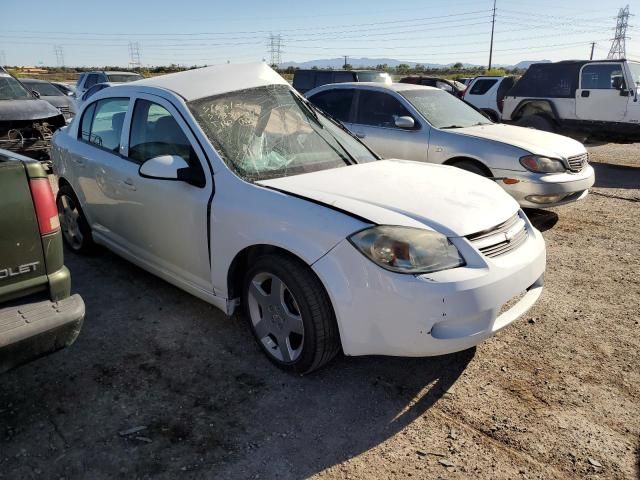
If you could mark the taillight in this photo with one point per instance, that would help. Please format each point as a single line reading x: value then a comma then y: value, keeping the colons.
x: 46, y: 209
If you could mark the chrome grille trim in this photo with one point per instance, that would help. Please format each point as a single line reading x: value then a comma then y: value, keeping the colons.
x: 578, y: 162
x: 495, y: 241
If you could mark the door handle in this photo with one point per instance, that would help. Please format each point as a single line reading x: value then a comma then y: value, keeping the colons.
x: 128, y: 183
x: 585, y: 93
x: 360, y: 135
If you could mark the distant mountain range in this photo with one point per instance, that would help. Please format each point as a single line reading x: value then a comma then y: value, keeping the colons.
x: 372, y: 62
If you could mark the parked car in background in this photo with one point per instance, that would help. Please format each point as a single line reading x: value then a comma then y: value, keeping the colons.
x: 304, y: 80
x: 38, y: 314
x: 89, y: 79
x: 424, y: 124
x: 596, y: 98
x: 487, y: 94
x: 307, y: 231
x: 49, y: 93
x: 93, y: 90
x: 26, y: 122
x: 66, y: 88
x: 450, y: 86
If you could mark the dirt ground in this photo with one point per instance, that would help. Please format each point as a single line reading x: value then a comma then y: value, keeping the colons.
x: 159, y: 384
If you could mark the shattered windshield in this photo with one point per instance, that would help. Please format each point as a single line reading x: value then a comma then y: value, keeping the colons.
x: 11, y: 89
x: 270, y: 132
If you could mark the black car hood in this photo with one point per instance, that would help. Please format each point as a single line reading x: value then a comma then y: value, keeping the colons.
x: 26, y: 109
x: 60, y: 101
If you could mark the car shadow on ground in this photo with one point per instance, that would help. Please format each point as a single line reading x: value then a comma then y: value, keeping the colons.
x: 543, y: 220
x: 202, y: 396
x: 617, y: 176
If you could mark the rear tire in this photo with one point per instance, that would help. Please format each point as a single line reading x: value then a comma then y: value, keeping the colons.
x: 539, y: 122
x: 75, y: 228
x: 290, y: 314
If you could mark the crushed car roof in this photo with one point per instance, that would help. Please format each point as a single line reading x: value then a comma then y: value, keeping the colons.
x: 214, y: 80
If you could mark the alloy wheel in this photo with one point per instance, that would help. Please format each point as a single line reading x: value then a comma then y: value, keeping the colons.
x: 70, y: 221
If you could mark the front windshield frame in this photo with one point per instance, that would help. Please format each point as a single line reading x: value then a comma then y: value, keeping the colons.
x: 475, y: 117
x: 634, y: 68
x: 18, y: 91
x: 337, y: 142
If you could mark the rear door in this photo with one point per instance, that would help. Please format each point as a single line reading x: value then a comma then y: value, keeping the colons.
x: 374, y: 123
x: 337, y: 102
x: 603, y: 94
x: 94, y: 161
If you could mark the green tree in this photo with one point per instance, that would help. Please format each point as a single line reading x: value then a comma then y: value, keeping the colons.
x: 347, y: 66
x: 457, y: 66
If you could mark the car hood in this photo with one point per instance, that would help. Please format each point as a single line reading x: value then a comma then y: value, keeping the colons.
x: 59, y: 101
x: 28, y: 109
x: 401, y: 192
x: 529, y: 139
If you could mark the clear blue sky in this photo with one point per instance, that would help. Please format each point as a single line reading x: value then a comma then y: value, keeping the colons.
x: 201, y: 32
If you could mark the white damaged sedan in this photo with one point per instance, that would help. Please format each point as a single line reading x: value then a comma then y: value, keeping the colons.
x: 228, y: 184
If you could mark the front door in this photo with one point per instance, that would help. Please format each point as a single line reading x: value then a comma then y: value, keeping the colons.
x: 603, y: 94
x: 164, y: 223
x: 375, y: 124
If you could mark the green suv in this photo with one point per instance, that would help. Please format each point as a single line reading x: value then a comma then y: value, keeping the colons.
x: 38, y: 314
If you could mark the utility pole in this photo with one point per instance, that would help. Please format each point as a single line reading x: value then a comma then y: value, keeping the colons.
x: 59, y: 55
x: 345, y: 62
x: 493, y: 25
x: 618, y: 45
x: 134, y: 56
x: 593, y: 45
x: 274, y: 43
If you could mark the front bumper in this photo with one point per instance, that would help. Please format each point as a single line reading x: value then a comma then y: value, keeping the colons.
x: 569, y: 186
x: 34, y: 329
x: 385, y: 313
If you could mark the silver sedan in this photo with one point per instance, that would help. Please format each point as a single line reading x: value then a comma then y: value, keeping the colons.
x: 539, y: 169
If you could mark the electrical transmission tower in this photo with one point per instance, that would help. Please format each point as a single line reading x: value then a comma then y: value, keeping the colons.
x: 274, y: 43
x: 59, y: 55
x: 134, y: 56
x: 618, y: 47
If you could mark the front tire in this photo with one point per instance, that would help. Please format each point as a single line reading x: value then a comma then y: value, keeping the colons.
x: 289, y: 313
x: 75, y: 228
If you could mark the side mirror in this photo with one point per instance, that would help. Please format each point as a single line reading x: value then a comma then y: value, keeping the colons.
x: 35, y: 93
x: 164, y: 167
x: 405, y: 122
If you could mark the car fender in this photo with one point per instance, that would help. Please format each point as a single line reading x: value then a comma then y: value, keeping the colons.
x: 535, y: 106
x: 308, y: 231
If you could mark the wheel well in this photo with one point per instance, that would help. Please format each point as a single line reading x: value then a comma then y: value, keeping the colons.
x: 62, y: 181
x: 492, y: 114
x: 453, y: 161
x: 534, y: 107
x: 241, y: 263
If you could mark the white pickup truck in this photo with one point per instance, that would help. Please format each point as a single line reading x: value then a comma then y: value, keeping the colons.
x: 593, y: 98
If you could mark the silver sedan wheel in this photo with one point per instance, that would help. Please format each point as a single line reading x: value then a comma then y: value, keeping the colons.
x: 70, y: 221
x: 275, y: 317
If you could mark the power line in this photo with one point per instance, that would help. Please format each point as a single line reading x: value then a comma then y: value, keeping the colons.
x: 619, y: 45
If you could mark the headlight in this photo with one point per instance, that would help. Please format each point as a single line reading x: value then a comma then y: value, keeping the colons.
x: 538, y: 164
x: 407, y: 250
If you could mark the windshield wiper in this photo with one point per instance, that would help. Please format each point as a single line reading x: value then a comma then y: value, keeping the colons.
x: 451, y: 126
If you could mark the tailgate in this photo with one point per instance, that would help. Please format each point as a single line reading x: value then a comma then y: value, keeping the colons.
x: 22, y: 268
